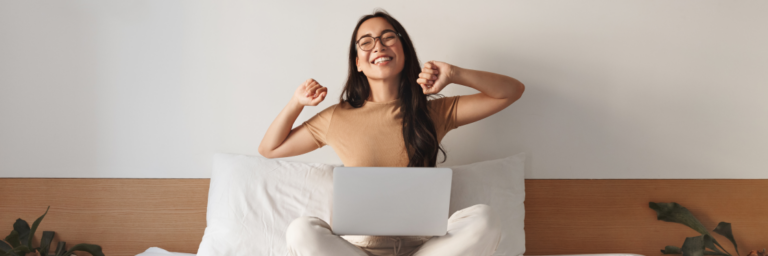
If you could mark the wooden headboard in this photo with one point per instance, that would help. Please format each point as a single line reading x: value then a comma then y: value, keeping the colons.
x: 127, y: 216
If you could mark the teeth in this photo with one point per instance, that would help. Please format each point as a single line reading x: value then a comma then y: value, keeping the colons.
x: 382, y: 59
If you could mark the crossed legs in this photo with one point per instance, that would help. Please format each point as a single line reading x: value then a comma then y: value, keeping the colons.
x: 471, y: 231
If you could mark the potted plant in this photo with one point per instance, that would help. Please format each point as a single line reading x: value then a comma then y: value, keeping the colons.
x: 19, y: 242
x: 704, y: 244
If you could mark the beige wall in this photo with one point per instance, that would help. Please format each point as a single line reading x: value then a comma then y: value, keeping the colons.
x: 615, y: 89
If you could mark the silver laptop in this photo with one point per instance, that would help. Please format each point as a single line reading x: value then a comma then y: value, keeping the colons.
x: 391, y: 201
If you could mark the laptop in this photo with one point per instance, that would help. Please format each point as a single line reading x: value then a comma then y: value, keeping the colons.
x: 391, y: 201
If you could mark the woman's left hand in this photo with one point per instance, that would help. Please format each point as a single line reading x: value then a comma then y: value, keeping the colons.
x: 435, y: 76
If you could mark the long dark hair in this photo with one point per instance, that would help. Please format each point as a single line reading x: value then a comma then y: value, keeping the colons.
x: 419, y: 131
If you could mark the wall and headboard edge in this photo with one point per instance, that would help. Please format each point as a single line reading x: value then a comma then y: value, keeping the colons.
x: 614, y: 90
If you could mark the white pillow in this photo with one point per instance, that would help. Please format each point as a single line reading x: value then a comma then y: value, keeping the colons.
x: 500, y: 184
x: 251, y: 201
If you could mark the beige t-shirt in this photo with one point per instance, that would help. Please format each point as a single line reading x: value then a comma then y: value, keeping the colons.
x: 372, y: 135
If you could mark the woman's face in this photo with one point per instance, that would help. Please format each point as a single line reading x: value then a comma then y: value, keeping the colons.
x: 367, y: 60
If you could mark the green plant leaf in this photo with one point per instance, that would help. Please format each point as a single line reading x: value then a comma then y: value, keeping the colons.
x: 21, y: 250
x: 22, y: 228
x: 61, y: 248
x: 13, y: 239
x: 674, y: 212
x: 724, y: 229
x: 709, y: 243
x: 93, y: 249
x: 693, y: 246
x: 34, y: 227
x: 669, y: 249
x: 45, y: 242
x: 4, y: 247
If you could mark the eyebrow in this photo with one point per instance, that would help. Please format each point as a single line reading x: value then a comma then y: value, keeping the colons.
x: 382, y: 32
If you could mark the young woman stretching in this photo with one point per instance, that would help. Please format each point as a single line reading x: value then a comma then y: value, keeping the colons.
x: 385, y: 119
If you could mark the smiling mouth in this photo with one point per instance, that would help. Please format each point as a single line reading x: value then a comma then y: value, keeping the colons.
x: 381, y: 60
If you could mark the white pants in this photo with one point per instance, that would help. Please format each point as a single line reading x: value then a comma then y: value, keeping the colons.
x: 471, y: 231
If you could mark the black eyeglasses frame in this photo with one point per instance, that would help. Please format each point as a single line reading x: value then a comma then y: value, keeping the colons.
x: 376, y: 39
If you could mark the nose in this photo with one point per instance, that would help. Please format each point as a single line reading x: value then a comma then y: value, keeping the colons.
x: 377, y: 44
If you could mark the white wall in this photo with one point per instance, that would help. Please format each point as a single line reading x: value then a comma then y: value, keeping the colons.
x: 615, y: 89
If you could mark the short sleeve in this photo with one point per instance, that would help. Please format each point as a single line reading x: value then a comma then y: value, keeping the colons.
x: 318, y: 125
x: 443, y: 111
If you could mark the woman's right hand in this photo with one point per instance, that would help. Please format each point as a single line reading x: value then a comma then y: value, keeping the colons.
x: 281, y: 140
x: 310, y: 93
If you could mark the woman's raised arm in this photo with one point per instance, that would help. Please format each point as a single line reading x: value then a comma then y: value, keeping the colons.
x: 280, y: 140
x: 496, y: 91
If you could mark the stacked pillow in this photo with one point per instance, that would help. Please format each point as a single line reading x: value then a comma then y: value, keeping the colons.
x: 251, y: 201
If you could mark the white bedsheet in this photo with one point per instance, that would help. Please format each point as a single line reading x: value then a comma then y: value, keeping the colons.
x: 155, y: 251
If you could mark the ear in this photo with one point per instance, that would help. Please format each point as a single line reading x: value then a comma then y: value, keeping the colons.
x: 357, y: 63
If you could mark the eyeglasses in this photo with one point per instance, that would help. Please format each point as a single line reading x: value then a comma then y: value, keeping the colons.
x: 367, y: 43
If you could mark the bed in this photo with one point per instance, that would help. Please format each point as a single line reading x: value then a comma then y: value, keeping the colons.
x: 131, y: 216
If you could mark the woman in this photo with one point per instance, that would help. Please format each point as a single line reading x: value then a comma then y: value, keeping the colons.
x: 384, y: 119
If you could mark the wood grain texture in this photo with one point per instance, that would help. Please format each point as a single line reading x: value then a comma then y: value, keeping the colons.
x: 603, y: 216
x: 127, y: 216
x: 124, y: 216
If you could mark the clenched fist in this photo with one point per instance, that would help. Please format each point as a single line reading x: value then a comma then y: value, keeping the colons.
x: 310, y: 93
x: 435, y: 76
